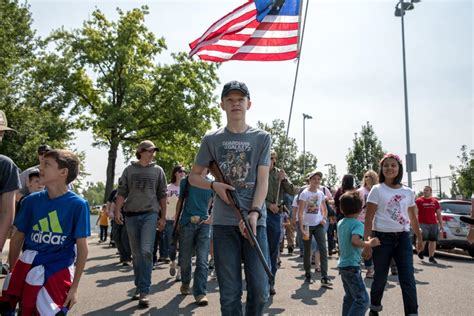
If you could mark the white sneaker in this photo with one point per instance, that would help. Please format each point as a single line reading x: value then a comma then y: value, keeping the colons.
x: 173, y: 268
x: 212, y: 275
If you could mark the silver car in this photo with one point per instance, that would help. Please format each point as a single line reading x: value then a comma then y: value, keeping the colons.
x: 455, y: 231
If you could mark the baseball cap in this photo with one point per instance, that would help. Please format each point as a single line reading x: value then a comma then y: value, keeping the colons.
x: 235, y: 85
x: 146, y: 145
x: 4, y: 122
x: 313, y: 173
x: 43, y: 149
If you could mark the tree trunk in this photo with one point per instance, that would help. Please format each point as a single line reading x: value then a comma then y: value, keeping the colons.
x: 112, y: 158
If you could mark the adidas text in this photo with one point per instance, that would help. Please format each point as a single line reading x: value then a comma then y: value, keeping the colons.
x: 47, y: 238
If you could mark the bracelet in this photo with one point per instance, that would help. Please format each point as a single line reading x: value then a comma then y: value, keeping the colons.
x: 256, y: 209
x: 212, y: 185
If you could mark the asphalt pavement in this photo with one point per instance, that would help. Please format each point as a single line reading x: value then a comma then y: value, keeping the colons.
x: 106, y: 286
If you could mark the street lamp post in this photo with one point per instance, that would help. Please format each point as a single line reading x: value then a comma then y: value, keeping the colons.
x: 429, y: 181
x: 305, y: 117
x: 400, y: 9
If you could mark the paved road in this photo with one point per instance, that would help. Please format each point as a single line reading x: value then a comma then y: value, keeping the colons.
x: 445, y: 289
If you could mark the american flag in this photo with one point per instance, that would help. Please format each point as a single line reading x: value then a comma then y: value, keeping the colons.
x: 259, y: 30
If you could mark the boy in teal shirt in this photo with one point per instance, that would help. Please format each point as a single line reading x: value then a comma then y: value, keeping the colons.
x: 350, y: 233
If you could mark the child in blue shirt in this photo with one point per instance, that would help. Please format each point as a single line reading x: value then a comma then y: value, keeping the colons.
x: 350, y: 233
x: 53, y: 226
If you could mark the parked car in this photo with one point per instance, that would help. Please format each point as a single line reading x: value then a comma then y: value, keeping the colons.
x: 455, y: 231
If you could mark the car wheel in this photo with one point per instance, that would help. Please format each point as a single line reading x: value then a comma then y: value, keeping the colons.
x: 471, y: 252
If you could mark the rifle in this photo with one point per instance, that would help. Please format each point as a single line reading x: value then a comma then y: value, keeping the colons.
x: 232, y: 196
x: 182, y: 197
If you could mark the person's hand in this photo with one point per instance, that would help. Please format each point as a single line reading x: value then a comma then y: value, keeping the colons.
x: 367, y: 253
x: 281, y: 175
x: 332, y: 220
x: 208, y: 221
x: 118, y: 218
x: 220, y: 188
x: 470, y: 235
x: 274, y: 208
x: 161, y: 224
x: 253, y: 218
x: 323, y: 221
x: 374, y: 242
x: 419, y: 244
x: 71, y: 298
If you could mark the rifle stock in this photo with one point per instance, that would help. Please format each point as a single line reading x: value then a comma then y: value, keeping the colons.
x: 235, y: 205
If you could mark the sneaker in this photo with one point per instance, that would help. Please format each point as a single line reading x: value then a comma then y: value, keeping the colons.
x: 370, y: 273
x: 290, y: 250
x: 201, y: 300
x: 164, y: 259
x: 420, y: 255
x: 433, y: 260
x: 373, y: 313
x: 325, y: 282
x: 272, y: 291
x: 178, y: 274
x: 126, y: 263
x: 143, y: 301
x: 135, y: 296
x: 307, y: 278
x: 394, y: 270
x: 211, y: 264
x: 185, y: 289
x: 213, y: 275
x: 155, y: 265
x: 173, y: 268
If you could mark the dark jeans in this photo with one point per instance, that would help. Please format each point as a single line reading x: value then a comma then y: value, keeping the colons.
x: 331, y: 241
x: 230, y: 249
x: 398, y: 246
x: 273, y: 235
x: 103, y: 232
x: 167, y: 248
x: 121, y: 241
x: 356, y: 299
x: 319, y: 234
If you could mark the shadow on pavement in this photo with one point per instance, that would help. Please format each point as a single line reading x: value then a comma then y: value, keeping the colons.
x: 307, y: 295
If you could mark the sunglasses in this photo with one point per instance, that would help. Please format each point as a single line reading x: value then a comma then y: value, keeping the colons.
x: 41, y: 153
x: 182, y: 171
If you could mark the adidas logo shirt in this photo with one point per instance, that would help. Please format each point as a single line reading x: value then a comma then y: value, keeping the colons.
x: 53, y: 225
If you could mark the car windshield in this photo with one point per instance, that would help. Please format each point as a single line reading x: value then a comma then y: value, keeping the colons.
x: 455, y: 208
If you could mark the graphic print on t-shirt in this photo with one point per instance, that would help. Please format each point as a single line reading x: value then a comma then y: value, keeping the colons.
x: 143, y: 181
x: 234, y: 157
x: 394, y: 209
x: 48, y: 231
x: 312, y: 205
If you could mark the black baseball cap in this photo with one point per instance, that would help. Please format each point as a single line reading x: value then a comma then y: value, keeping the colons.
x: 43, y: 149
x: 235, y: 85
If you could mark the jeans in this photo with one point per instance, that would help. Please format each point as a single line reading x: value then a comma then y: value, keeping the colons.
x: 331, y: 241
x: 398, y: 246
x: 273, y: 235
x: 103, y: 232
x: 194, y: 237
x: 122, y: 242
x: 141, y: 233
x: 166, y: 247
x: 319, y: 234
x: 356, y: 299
x: 230, y: 248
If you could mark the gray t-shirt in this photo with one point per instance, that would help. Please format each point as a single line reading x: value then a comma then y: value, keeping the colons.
x: 9, y: 175
x: 142, y: 187
x: 238, y: 155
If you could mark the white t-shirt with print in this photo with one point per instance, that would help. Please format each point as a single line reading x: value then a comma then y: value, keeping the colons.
x: 392, y: 207
x: 173, y: 194
x: 312, y: 212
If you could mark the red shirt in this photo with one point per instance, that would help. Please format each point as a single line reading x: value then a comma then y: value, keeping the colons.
x: 427, y: 208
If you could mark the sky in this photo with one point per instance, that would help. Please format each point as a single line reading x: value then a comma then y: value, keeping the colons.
x: 350, y: 73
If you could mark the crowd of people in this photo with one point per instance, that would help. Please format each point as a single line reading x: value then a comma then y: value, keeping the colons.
x: 202, y: 214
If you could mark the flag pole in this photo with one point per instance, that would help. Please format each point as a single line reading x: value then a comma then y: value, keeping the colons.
x: 300, y: 47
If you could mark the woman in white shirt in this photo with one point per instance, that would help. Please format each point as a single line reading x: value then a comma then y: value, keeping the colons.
x: 390, y: 211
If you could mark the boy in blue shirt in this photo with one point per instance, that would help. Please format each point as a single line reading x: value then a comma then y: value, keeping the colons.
x: 350, y: 234
x: 53, y: 225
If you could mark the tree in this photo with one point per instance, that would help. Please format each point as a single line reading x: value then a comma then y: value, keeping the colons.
x: 287, y: 150
x: 332, y: 179
x: 366, y: 152
x: 462, y: 176
x: 26, y: 94
x: 117, y: 89
x: 94, y: 193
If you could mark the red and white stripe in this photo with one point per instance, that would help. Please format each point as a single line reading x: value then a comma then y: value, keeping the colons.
x: 273, y: 39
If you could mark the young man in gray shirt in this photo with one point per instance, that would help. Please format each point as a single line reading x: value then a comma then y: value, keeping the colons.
x: 142, y: 187
x: 243, y: 155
